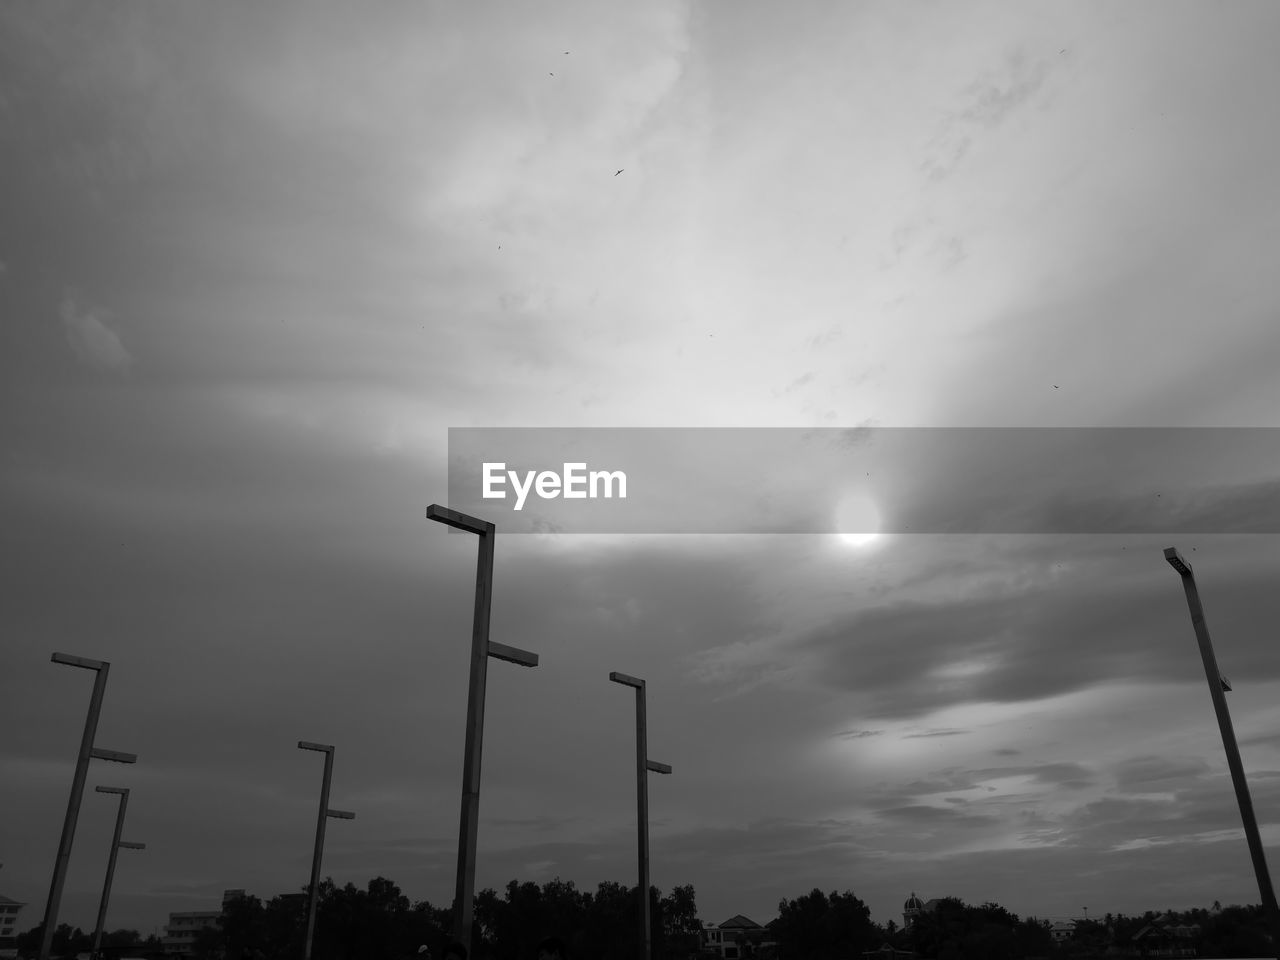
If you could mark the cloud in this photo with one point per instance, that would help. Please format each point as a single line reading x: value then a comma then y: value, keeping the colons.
x: 989, y: 100
x: 923, y: 814
x: 1149, y: 770
x: 1032, y: 638
x: 93, y: 341
x: 748, y: 663
x: 933, y: 733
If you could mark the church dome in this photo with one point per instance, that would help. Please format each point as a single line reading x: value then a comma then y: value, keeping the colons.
x: 913, y: 902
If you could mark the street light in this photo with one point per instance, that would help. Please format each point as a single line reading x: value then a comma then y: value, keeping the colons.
x: 643, y: 766
x: 87, y: 751
x: 481, y: 650
x: 1218, y: 685
x: 325, y: 813
x: 116, y: 844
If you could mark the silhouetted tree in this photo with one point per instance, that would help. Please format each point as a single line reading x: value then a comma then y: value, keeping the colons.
x: 822, y: 926
x: 680, y: 927
x: 379, y: 923
x: 611, y: 923
x: 938, y: 933
x: 243, y: 927
x: 1033, y: 938
x: 1236, y: 932
x: 376, y: 923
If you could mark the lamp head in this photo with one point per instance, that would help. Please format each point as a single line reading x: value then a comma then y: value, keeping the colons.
x: 72, y: 661
x: 1175, y: 560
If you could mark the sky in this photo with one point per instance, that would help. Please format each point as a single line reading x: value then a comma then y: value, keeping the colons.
x: 257, y: 260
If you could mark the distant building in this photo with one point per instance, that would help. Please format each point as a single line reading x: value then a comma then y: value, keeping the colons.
x: 9, y: 910
x: 1155, y: 940
x: 180, y: 935
x: 914, y: 908
x: 736, y: 938
x: 911, y: 910
x: 1062, y: 930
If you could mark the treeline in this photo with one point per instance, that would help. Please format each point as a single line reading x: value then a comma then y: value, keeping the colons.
x: 69, y: 941
x: 838, y: 926
x: 957, y: 931
x: 1229, y: 932
x: 380, y: 923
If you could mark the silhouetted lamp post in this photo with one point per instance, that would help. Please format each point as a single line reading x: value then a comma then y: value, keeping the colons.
x: 87, y: 751
x: 325, y: 813
x: 643, y: 766
x: 1218, y: 686
x: 482, y: 648
x: 116, y: 844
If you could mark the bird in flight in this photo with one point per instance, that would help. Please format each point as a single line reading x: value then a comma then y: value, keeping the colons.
x: 619, y: 171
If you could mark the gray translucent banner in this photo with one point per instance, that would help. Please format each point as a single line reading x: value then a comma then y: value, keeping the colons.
x: 866, y: 480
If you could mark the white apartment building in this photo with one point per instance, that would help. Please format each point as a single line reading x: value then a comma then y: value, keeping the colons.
x: 9, y: 910
x: 180, y: 935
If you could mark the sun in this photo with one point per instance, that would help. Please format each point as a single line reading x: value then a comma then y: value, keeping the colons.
x: 858, y: 539
x: 857, y: 520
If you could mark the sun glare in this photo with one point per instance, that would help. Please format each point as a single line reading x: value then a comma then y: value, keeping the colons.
x: 857, y: 520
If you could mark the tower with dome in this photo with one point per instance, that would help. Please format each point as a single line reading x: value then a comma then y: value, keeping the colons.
x: 911, y: 909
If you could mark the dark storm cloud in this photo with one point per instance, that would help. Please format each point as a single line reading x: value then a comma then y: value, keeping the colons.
x: 1144, y: 771
x: 1035, y: 643
x: 934, y: 816
x: 941, y: 781
x: 1192, y: 805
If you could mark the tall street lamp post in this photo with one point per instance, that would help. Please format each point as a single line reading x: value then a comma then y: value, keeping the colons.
x: 325, y: 814
x: 1218, y: 686
x: 87, y: 751
x: 643, y: 766
x: 116, y: 844
x: 482, y: 648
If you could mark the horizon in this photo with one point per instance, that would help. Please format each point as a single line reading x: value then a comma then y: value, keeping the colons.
x: 878, y: 922
x: 257, y: 263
